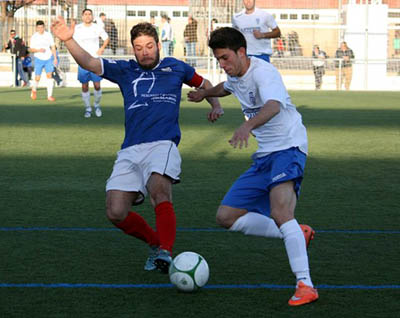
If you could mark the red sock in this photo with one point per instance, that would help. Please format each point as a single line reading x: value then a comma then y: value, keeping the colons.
x: 166, y: 225
x: 136, y: 226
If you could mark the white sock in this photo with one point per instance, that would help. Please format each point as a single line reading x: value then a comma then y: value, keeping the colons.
x: 50, y: 85
x: 295, y: 244
x: 253, y: 223
x: 35, y: 84
x: 86, y: 100
x: 97, y: 97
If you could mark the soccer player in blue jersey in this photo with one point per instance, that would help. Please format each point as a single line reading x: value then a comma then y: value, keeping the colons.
x: 262, y: 200
x: 149, y: 161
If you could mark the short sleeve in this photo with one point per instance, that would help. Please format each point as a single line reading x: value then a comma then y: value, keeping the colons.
x: 270, y: 86
x: 113, y: 70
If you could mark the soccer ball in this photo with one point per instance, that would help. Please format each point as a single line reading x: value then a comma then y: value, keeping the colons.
x: 189, y: 271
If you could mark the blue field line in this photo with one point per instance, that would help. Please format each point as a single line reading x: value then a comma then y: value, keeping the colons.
x: 218, y: 286
x: 181, y: 229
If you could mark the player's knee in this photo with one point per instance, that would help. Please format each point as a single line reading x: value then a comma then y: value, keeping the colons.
x: 224, y: 218
x: 115, y: 213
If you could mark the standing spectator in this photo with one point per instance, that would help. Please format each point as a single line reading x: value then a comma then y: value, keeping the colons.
x: 396, y: 43
x: 17, y: 46
x: 87, y: 35
x: 112, y: 32
x: 190, y: 36
x: 258, y: 27
x: 27, y: 66
x: 344, y: 70
x: 318, y: 65
x: 44, y: 49
x: 166, y: 36
x: 155, y: 26
x: 101, y: 20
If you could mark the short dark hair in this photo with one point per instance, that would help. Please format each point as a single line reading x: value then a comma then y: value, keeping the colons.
x: 143, y: 28
x: 102, y: 14
x: 227, y: 38
x: 13, y: 31
x: 39, y: 22
x: 87, y: 9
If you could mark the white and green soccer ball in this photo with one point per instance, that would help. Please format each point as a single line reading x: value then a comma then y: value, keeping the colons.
x: 189, y: 271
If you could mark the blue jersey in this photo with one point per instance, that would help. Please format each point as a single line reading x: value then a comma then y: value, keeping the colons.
x: 151, y: 98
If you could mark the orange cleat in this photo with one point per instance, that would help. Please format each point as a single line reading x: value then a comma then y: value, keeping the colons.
x: 51, y: 99
x: 33, y: 95
x: 304, y: 295
x: 308, y: 232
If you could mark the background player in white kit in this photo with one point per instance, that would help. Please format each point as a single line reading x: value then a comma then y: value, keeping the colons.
x: 43, y: 47
x: 87, y: 35
x: 258, y: 27
x: 262, y: 200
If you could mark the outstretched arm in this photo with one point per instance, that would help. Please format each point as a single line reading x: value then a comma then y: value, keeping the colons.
x: 216, y: 109
x: 61, y: 30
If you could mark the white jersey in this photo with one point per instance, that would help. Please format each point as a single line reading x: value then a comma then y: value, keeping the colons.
x: 166, y: 32
x: 258, y: 20
x: 42, y: 41
x: 88, y: 37
x: 261, y: 83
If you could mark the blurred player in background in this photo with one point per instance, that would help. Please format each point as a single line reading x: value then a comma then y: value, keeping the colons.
x: 43, y: 47
x: 87, y: 35
x: 149, y: 161
x: 262, y: 200
x: 258, y: 27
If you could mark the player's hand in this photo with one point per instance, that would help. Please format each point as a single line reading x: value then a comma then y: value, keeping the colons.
x: 258, y: 35
x: 61, y: 30
x: 196, y: 96
x: 215, y: 113
x: 241, y: 136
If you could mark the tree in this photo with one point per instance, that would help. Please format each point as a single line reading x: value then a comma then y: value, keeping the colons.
x: 7, y: 12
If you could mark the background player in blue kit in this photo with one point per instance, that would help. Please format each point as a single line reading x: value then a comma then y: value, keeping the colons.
x: 149, y: 161
x: 262, y: 200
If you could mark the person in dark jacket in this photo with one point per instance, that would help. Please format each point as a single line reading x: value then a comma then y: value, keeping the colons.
x: 344, y: 70
x: 17, y: 46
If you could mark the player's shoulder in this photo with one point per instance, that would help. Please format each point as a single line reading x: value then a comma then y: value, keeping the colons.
x: 262, y: 69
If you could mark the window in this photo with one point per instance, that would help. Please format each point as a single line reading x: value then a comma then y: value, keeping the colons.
x: 131, y: 13
x: 153, y: 13
x: 185, y: 14
x: 141, y: 13
x: 394, y: 15
x: 176, y: 14
x: 293, y: 17
x: 315, y: 17
x: 305, y: 17
x: 284, y: 16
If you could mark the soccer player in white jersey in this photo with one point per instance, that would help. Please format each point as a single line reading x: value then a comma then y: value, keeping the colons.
x: 87, y: 35
x: 149, y: 161
x: 262, y: 200
x: 258, y: 27
x: 43, y: 47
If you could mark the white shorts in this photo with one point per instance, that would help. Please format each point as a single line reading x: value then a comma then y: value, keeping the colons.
x: 134, y: 166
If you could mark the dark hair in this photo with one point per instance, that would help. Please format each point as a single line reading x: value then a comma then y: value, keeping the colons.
x: 143, y: 28
x: 87, y: 9
x: 39, y: 22
x: 227, y: 38
x: 13, y: 31
x: 102, y: 14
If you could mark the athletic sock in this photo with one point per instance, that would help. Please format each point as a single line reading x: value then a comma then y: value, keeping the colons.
x: 295, y: 244
x: 253, y: 223
x: 50, y: 85
x: 135, y: 225
x: 35, y: 84
x: 97, y: 97
x: 86, y: 100
x: 166, y: 225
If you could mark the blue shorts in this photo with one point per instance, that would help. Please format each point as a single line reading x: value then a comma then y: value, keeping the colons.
x: 251, y: 190
x: 85, y: 76
x: 264, y: 57
x: 47, y: 65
